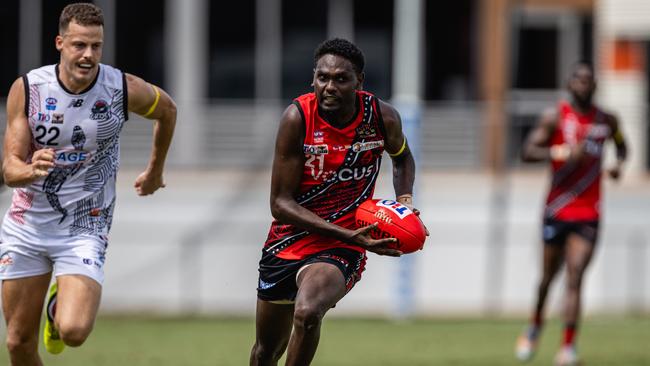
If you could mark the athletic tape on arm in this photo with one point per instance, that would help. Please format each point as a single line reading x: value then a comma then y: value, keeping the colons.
x: 618, y: 136
x: 155, y: 102
x: 401, y: 150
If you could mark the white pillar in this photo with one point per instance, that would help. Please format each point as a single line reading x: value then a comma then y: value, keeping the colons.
x: 186, y: 37
x: 268, y: 50
x: 407, y: 50
x: 624, y: 93
x: 29, y: 35
x: 407, y: 93
x: 569, y: 37
x: 622, y: 88
x: 268, y: 69
x: 340, y: 19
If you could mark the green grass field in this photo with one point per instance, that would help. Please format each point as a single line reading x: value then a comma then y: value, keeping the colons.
x: 134, y: 341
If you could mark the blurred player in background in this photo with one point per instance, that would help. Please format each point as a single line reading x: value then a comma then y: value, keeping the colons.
x: 61, y: 155
x: 327, y: 157
x: 572, y: 137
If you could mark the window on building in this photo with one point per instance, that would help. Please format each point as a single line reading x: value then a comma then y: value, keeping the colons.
x: 304, y: 26
x: 449, y: 51
x: 373, y: 33
x: 537, y: 59
x: 546, y: 45
x: 587, y: 26
x: 232, y: 49
x: 8, y: 45
x: 139, y: 39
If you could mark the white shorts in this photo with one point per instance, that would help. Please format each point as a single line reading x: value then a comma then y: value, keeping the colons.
x: 24, y: 253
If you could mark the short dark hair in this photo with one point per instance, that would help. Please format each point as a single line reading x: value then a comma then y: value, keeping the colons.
x: 82, y: 13
x: 583, y: 64
x: 344, y: 48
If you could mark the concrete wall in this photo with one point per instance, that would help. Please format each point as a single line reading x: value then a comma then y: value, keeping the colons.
x: 194, y: 247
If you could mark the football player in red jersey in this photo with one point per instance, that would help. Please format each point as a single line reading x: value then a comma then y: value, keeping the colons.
x: 327, y: 155
x: 571, y: 136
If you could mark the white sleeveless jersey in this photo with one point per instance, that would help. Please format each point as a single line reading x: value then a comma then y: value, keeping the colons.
x: 78, y: 195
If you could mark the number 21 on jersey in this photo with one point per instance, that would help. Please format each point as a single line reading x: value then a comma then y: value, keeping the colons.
x: 316, y: 164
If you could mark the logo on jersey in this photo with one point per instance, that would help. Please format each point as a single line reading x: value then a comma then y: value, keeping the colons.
x: 599, y: 132
x: 366, y: 130
x: 356, y: 173
x: 50, y: 104
x: 100, y: 110
x: 6, y: 260
x: 70, y: 157
x: 76, y: 103
x: 315, y: 149
x: 318, y: 137
x: 57, y: 118
x: 365, y: 146
x: 398, y: 208
x: 42, y: 117
x: 593, y: 147
x: 570, y: 129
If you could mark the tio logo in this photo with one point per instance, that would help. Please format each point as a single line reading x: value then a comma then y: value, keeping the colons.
x: 398, y: 208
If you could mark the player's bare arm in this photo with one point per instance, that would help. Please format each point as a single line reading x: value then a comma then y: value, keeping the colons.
x: 20, y: 169
x: 288, y: 163
x: 397, y: 147
x: 537, y: 146
x: 620, y: 144
x: 153, y: 103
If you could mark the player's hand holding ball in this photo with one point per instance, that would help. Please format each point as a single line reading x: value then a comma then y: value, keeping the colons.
x: 407, y: 200
x: 364, y: 238
x: 391, y: 219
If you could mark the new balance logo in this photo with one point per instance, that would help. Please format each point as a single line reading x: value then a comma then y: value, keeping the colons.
x: 76, y: 103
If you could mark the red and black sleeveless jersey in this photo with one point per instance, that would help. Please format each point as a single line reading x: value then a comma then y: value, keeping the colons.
x: 340, y: 171
x: 575, y: 186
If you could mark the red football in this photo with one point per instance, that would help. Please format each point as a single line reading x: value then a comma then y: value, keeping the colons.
x: 394, y: 220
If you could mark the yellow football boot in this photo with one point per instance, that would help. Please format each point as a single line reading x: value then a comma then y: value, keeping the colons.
x: 53, y: 343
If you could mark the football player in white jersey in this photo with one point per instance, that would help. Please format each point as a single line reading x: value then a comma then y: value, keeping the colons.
x: 61, y: 155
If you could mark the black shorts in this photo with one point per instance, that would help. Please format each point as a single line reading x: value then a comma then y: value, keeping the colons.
x: 555, y: 232
x: 277, y: 281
